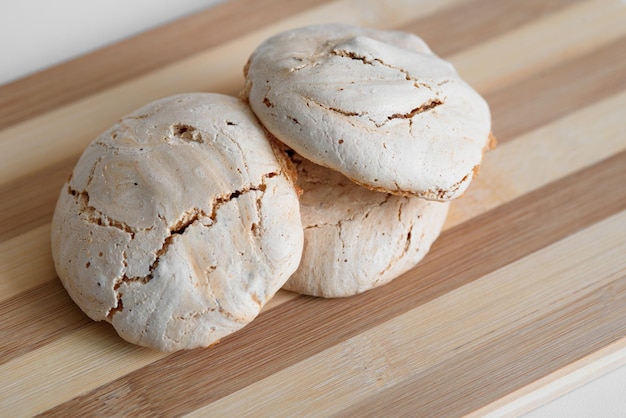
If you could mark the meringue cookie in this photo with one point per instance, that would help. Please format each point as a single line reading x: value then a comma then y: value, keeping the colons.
x: 377, y: 106
x: 178, y: 223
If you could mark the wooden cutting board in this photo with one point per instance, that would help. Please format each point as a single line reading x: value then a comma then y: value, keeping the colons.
x: 523, y: 295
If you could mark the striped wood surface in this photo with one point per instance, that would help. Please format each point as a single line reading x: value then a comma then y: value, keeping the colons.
x: 525, y: 288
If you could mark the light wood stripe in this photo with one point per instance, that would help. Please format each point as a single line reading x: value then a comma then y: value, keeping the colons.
x: 180, y: 40
x: 450, y: 31
x: 36, y: 318
x: 558, y: 383
x: 73, y: 126
x: 94, y: 344
x: 575, y: 84
x: 573, y: 130
x: 44, y: 91
x: 570, y: 140
x: 453, y: 325
x: 512, y: 360
x: 273, y: 341
x: 540, y: 98
x: 582, y: 28
x: 90, y: 345
x: 38, y: 191
x: 89, y: 118
x: 25, y: 260
x: 543, y: 155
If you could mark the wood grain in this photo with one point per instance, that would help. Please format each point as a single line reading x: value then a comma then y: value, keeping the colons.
x: 512, y: 231
x: 574, y: 83
x: 559, y: 90
x: 387, y: 346
x: 35, y: 318
x: 25, y: 262
x: 525, y: 285
x: 219, y: 69
x: 542, y: 43
x: 558, y: 383
x: 130, y: 58
x: 490, y: 18
x: 529, y: 360
x: 507, y: 172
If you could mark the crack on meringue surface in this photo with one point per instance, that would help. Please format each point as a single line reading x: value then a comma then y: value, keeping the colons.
x: 95, y: 216
x: 365, y: 60
x: 352, y: 218
x: 429, y: 105
x: 178, y: 228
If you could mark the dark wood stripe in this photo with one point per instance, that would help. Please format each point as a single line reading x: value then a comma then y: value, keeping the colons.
x: 36, y: 318
x: 112, y: 65
x: 508, y: 362
x: 450, y: 31
x: 516, y: 109
x: 304, y: 326
x: 29, y: 201
x: 557, y: 91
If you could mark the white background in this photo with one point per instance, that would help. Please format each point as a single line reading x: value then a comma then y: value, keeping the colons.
x: 35, y: 34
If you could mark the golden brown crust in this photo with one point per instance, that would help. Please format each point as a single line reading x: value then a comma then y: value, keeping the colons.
x: 493, y: 141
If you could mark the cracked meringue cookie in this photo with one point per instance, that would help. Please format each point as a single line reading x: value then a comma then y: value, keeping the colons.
x: 377, y: 106
x: 357, y: 239
x: 178, y: 223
